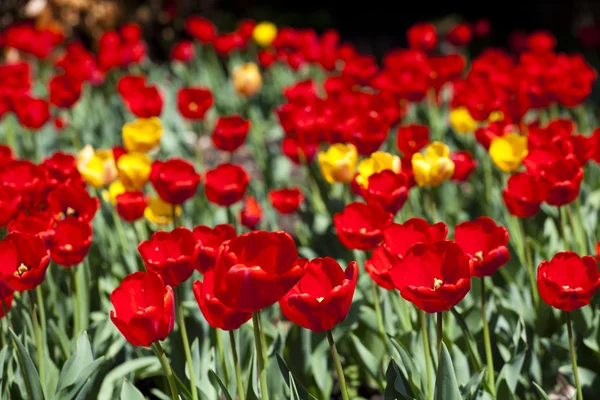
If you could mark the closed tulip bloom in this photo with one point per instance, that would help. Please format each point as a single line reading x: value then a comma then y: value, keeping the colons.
x: 145, y: 102
x: 175, y: 180
x: 217, y: 314
x: 32, y: 113
x: 387, y: 189
x: 230, y: 133
x: 433, y: 167
x: 64, y: 91
x: 434, y: 277
x: 322, y: 298
x: 142, y: 135
x: 208, y: 241
x: 23, y: 261
x: 485, y: 243
x: 256, y: 269
x: 286, y: 200
x: 251, y: 213
x: 9, y: 204
x: 399, y: 238
x: 360, y: 226
x: 524, y: 194
x: 193, y: 102
x: 264, y: 33
x: 72, y: 199
x: 508, y: 151
x: 183, y: 51
x: 460, y: 34
x: 464, y: 165
x: 338, y: 163
x: 71, y: 241
x: 246, y: 79
x: 160, y: 212
x: 461, y: 121
x: 422, y: 36
x: 200, y: 29
x: 144, y: 308
x: 134, y: 170
x: 226, y: 184
x: 377, y: 162
x: 172, y: 255
x: 97, y: 167
x: 568, y: 282
x: 131, y: 205
x: 412, y: 138
x: 378, y: 267
x: 562, y: 180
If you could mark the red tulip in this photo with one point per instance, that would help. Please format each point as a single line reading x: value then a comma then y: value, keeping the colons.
x: 71, y: 241
x: 216, y: 313
x: 183, y: 51
x: 226, y: 43
x: 172, y: 255
x: 200, y: 29
x: 230, y: 133
x: 485, y: 243
x: 386, y: 189
x: 322, y: 297
x: 6, y: 155
x: 434, y: 277
x: 251, y: 213
x: 24, y: 178
x: 39, y: 223
x: 378, y: 267
x: 412, y: 138
x: 61, y: 167
x: 226, y: 184
x: 541, y: 42
x: 299, y: 154
x: 266, y: 58
x: 257, y: 269
x: 568, y: 282
x: 208, y: 241
x: 286, y: 200
x: 130, y: 84
x: 523, y: 194
x: 71, y: 199
x: 360, y: 226
x: 175, y: 180
x: 460, y: 35
x: 399, y: 238
x: 464, y: 165
x: 6, y: 298
x: 145, y: 102
x: 131, y: 205
x: 32, y: 113
x: 144, y: 308
x: 9, y: 204
x: 64, y: 91
x: 563, y: 180
x: 422, y: 36
x: 193, y: 102
x: 23, y: 261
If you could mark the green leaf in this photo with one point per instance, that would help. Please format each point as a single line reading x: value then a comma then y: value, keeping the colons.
x: 540, y: 391
x: 291, y: 380
x: 473, y: 386
x: 395, y: 387
x: 73, y: 366
x: 130, y: 392
x: 30, y: 374
x: 471, y: 343
x: 212, y: 375
x: 509, y: 376
x: 446, y: 387
x: 117, y: 374
x: 367, y: 359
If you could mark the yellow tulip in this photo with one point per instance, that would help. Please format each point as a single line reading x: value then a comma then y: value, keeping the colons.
x: 434, y: 166
x: 338, y: 163
x: 134, y: 170
x: 377, y: 162
x: 246, y: 79
x: 160, y: 212
x: 116, y: 188
x: 496, y: 116
x: 461, y: 121
x: 508, y: 151
x: 142, y: 135
x: 97, y: 167
x: 264, y: 33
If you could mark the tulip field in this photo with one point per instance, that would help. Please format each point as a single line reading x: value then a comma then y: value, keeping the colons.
x: 272, y: 214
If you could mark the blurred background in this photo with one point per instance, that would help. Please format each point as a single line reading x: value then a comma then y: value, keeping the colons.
x: 374, y: 27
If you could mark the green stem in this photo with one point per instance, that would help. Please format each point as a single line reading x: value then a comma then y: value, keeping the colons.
x: 222, y: 354
x: 38, y: 339
x: 236, y: 363
x: 581, y: 242
x: 563, y: 224
x: 120, y: 230
x: 263, y: 340
x: 11, y: 138
x: 439, y: 333
x: 573, y: 356
x: 427, y: 350
x: 338, y: 366
x: 529, y: 263
x: 75, y: 300
x: 186, y: 343
x: 264, y: 392
x: 231, y: 218
x: 378, y: 311
x: 160, y: 354
x: 430, y: 204
x: 40, y: 304
x: 488, y: 344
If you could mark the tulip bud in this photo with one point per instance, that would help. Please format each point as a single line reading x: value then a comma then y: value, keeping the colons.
x: 338, y: 163
x: 264, y: 33
x: 461, y: 121
x: 433, y: 167
x: 246, y: 79
x: 142, y: 135
x: 508, y: 151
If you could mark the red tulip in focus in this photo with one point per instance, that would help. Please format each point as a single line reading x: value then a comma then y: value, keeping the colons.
x: 464, y: 165
x: 434, y: 277
x: 144, y: 308
x: 175, y: 180
x: 322, y: 297
x: 286, y: 200
x: 412, y: 138
x: 360, y: 226
x: 422, y: 36
x: 193, y: 103
x: 460, y: 35
x: 72, y: 200
x: 399, y: 238
x: 200, y: 29
x: 226, y: 184
x: 216, y: 313
x: 183, y: 51
x: 386, y: 189
x: 208, y: 241
x: 172, y: 255
x: 378, y: 267
x: 523, y: 194
x: 568, y: 282
x: 70, y: 242
x: 562, y: 180
x: 131, y: 205
x: 485, y: 243
x: 256, y: 269
x: 23, y: 261
x: 230, y: 133
x: 251, y: 213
